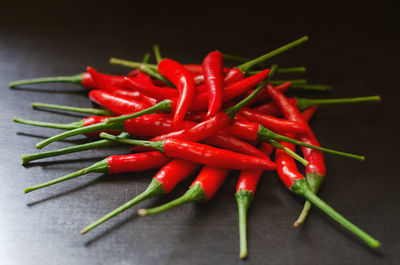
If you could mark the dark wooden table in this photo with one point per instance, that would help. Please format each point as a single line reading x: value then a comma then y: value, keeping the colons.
x: 354, y: 48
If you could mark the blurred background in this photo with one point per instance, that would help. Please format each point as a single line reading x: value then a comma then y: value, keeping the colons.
x: 353, y: 47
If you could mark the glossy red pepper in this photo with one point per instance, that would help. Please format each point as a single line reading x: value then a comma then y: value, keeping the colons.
x: 316, y: 170
x: 163, y: 182
x: 201, y: 153
x: 245, y: 190
x: 114, y: 164
x: 207, y: 183
x: 297, y: 184
x: 117, y: 104
x: 183, y: 80
x: 151, y: 90
x: 214, y: 81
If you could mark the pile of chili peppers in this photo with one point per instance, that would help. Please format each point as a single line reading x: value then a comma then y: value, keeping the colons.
x: 185, y: 117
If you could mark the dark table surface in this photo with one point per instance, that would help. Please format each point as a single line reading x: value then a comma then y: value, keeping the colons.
x: 353, y: 47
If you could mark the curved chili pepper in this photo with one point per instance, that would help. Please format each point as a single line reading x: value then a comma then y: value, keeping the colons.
x: 245, y: 190
x: 207, y: 183
x: 183, y: 80
x: 297, y: 184
x: 114, y: 164
x: 214, y: 81
x: 316, y: 170
x: 159, y: 93
x: 163, y: 182
x: 201, y: 153
x: 117, y: 104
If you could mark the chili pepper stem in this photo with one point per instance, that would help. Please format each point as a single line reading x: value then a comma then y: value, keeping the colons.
x: 131, y: 64
x: 288, y: 151
x: 304, y: 103
x: 294, y: 81
x: 111, y: 123
x: 248, y: 65
x: 310, y: 87
x: 300, y: 69
x: 72, y: 149
x: 314, y: 180
x: 104, y: 112
x: 67, y: 126
x: 70, y: 79
x: 194, y: 194
x: 155, y: 188
x: 100, y: 167
x: 265, y: 134
x: 156, y: 145
x: 300, y: 187
x: 157, y: 53
x: 243, y: 199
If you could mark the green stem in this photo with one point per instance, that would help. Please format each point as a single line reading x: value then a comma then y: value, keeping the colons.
x: 231, y: 111
x: 266, y: 134
x: 155, y: 188
x: 157, y: 53
x: 304, y: 103
x: 146, y: 57
x: 288, y: 151
x: 248, y: 65
x: 300, y: 69
x: 154, y: 73
x: 66, y: 126
x: 71, y: 149
x: 194, y: 194
x: 156, y: 145
x: 104, y: 112
x: 110, y: 123
x: 235, y: 58
x: 69, y: 79
x: 99, y: 167
x: 301, y: 188
x: 294, y: 81
x: 314, y: 180
x: 132, y: 64
x: 311, y: 87
x: 243, y: 199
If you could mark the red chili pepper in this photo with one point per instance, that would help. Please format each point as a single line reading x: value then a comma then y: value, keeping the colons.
x: 163, y: 182
x: 201, y: 153
x: 263, y: 96
x: 297, y: 184
x: 316, y: 170
x: 245, y: 190
x: 308, y: 113
x: 207, y: 183
x: 214, y: 81
x: 159, y: 93
x: 183, y: 80
x: 117, y: 104
x: 114, y: 164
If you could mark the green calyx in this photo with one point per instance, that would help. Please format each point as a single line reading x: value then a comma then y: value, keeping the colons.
x: 116, y: 123
x: 314, y: 180
x: 248, y: 65
x: 66, y: 126
x: 156, y: 145
x: 103, y: 112
x: 231, y: 111
x: 71, y: 149
x: 194, y: 194
x: 155, y: 188
x: 265, y: 134
x: 243, y: 199
x: 304, y: 103
x: 99, y: 167
x: 66, y: 79
x: 300, y: 187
